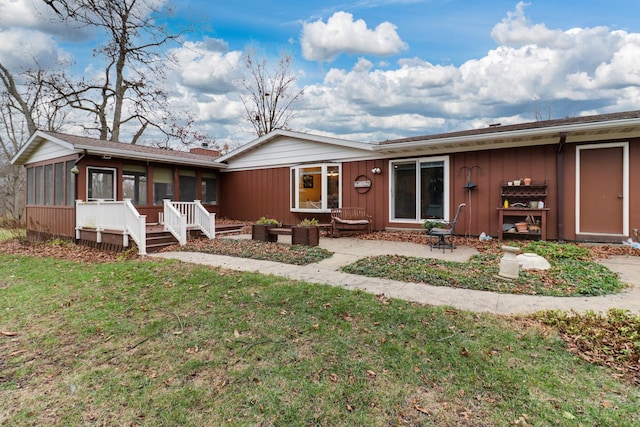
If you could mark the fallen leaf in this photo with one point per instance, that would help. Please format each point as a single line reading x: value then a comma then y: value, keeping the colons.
x: 8, y: 334
x: 371, y: 373
x: 568, y: 415
x: 334, y: 378
x: 464, y: 352
x: 349, y: 408
x: 236, y: 333
x: 421, y: 409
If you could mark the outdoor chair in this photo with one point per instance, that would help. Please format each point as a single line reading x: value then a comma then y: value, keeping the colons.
x: 442, y: 237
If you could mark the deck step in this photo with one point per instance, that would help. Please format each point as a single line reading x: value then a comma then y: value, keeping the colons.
x: 158, y: 240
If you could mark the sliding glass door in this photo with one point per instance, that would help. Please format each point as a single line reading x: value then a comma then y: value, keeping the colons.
x: 419, y: 189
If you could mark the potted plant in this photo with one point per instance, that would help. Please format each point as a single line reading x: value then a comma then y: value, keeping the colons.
x: 306, y: 233
x: 428, y: 224
x: 260, y: 230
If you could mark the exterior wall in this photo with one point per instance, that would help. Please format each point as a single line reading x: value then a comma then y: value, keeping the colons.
x: 494, y: 167
x: 249, y: 195
x: 46, y: 221
x: 49, y: 150
x: 288, y: 151
x: 376, y: 200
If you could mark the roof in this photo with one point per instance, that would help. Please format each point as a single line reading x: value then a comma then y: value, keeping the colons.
x: 94, y: 146
x: 265, y: 139
x: 575, y: 129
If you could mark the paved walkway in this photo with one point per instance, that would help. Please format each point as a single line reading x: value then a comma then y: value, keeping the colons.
x: 347, y: 250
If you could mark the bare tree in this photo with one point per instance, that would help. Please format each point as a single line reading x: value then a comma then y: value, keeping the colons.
x: 127, y: 92
x: 539, y: 114
x: 25, y: 106
x: 270, y: 93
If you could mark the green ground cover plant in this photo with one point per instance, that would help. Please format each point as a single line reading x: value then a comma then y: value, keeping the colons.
x: 142, y: 342
x: 573, y: 272
x: 255, y: 249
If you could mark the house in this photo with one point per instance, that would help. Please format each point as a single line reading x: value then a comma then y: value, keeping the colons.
x: 580, y: 170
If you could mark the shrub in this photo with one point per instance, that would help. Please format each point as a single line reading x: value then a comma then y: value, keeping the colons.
x: 267, y: 221
x: 309, y: 222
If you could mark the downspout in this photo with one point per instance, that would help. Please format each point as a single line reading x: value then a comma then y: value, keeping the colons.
x: 560, y: 185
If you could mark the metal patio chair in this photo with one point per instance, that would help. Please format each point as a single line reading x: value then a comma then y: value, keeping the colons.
x: 442, y: 237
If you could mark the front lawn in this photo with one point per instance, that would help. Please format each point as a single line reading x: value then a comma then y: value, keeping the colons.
x: 148, y: 342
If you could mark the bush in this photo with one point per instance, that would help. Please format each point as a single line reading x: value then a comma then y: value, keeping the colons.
x: 267, y: 221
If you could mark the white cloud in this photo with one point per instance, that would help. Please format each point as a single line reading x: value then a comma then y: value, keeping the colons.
x: 35, y: 15
x: 574, y: 71
x: 341, y: 34
x: 206, y: 66
x: 516, y: 30
x: 23, y: 49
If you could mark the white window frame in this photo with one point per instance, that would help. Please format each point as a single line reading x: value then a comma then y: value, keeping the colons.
x: 295, y: 198
x: 446, y: 196
x: 115, y: 182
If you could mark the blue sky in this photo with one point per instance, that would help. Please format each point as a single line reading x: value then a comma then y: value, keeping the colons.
x: 383, y: 69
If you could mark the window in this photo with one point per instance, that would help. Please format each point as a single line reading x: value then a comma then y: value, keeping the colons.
x: 187, y: 187
x: 134, y: 184
x: 162, y: 185
x: 420, y: 189
x: 59, y: 184
x: 31, y: 195
x: 209, y: 189
x: 48, y: 185
x: 38, y: 185
x: 101, y: 184
x: 315, y: 187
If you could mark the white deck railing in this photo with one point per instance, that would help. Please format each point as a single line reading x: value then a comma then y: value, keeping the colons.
x: 175, y: 222
x: 197, y: 217
x: 120, y: 216
x: 177, y: 218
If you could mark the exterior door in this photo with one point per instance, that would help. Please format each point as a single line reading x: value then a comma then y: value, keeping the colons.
x: 602, y: 191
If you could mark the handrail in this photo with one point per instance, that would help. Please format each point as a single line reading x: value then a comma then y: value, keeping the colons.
x: 175, y: 222
x: 104, y: 215
x: 136, y: 226
x: 197, y: 217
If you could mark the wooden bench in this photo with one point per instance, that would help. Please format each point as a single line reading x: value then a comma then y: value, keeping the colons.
x: 350, y: 219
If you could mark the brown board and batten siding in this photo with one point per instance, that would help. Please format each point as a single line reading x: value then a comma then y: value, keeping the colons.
x: 44, y: 222
x: 488, y: 170
x: 251, y: 194
x: 375, y: 201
